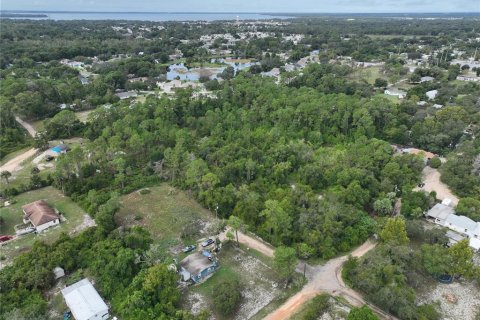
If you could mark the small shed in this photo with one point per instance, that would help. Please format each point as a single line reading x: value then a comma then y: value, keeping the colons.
x: 61, y: 148
x: 58, y: 273
x: 85, y: 302
x: 198, y: 267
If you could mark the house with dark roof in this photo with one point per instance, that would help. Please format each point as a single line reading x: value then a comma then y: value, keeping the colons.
x: 40, y: 215
x: 198, y: 266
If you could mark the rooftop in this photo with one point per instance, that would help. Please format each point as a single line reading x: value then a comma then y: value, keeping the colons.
x: 440, y: 211
x: 83, y: 300
x: 195, y: 263
x: 39, y: 212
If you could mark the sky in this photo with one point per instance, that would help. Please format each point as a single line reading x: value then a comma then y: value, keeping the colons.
x: 310, y: 6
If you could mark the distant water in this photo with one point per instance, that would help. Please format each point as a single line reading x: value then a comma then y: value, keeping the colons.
x: 146, y: 16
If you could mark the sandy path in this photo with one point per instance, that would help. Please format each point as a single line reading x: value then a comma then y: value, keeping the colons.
x: 251, y: 242
x: 321, y: 279
x: 15, y: 163
x: 431, y: 179
x: 27, y: 126
x: 327, y: 279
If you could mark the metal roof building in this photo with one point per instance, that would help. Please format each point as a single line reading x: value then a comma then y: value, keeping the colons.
x: 85, y: 302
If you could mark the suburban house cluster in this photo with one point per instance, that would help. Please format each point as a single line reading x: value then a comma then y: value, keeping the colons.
x: 461, y: 227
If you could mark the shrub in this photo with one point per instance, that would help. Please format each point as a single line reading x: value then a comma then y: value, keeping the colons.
x: 435, y: 162
x: 363, y: 313
x: 145, y: 191
x: 317, y: 307
x: 226, y: 296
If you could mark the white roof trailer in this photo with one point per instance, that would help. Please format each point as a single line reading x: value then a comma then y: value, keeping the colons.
x: 85, y: 302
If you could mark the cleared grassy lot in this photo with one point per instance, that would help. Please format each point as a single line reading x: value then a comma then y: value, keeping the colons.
x: 166, y: 212
x: 12, y: 215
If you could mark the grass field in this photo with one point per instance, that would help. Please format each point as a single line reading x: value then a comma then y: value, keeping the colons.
x: 368, y: 74
x: 260, y: 290
x: 165, y: 211
x: 12, y: 215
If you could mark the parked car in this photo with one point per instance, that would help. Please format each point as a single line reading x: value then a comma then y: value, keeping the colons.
x: 421, y: 185
x: 189, y: 248
x: 5, y: 238
x: 207, y: 242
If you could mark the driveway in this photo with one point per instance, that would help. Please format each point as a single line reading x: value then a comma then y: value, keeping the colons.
x: 431, y: 179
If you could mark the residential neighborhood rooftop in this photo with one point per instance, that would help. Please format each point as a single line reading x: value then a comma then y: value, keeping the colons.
x: 39, y: 212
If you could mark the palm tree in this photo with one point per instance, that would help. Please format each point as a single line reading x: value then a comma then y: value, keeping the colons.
x: 5, y: 175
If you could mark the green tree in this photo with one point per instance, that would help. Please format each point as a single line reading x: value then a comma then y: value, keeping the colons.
x: 435, y: 162
x: 277, y: 221
x: 461, y: 259
x: 380, y: 83
x: 394, y: 232
x: 383, y: 206
x: 226, y: 296
x: 362, y: 313
x: 284, y: 263
x: 469, y: 207
x: 435, y: 259
x: 6, y: 175
x: 235, y: 223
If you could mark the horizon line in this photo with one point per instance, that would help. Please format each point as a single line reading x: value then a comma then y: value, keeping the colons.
x: 237, y: 12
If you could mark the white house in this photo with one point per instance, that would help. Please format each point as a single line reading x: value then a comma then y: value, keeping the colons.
x: 40, y: 215
x: 85, y: 302
x: 395, y: 92
x: 439, y: 213
x: 445, y: 216
x: 431, y: 94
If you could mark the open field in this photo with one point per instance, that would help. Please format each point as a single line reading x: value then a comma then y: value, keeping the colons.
x: 260, y: 290
x: 12, y: 215
x: 165, y: 212
x: 83, y: 115
x: 368, y: 74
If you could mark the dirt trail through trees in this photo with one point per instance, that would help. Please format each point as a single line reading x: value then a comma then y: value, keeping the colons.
x: 321, y: 279
x: 14, y: 164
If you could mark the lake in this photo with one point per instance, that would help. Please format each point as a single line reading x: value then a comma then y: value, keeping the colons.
x: 146, y: 16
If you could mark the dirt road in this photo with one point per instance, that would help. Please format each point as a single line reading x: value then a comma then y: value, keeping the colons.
x: 327, y: 279
x: 431, y: 179
x: 251, y: 242
x: 321, y: 279
x: 15, y: 163
x: 27, y: 126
